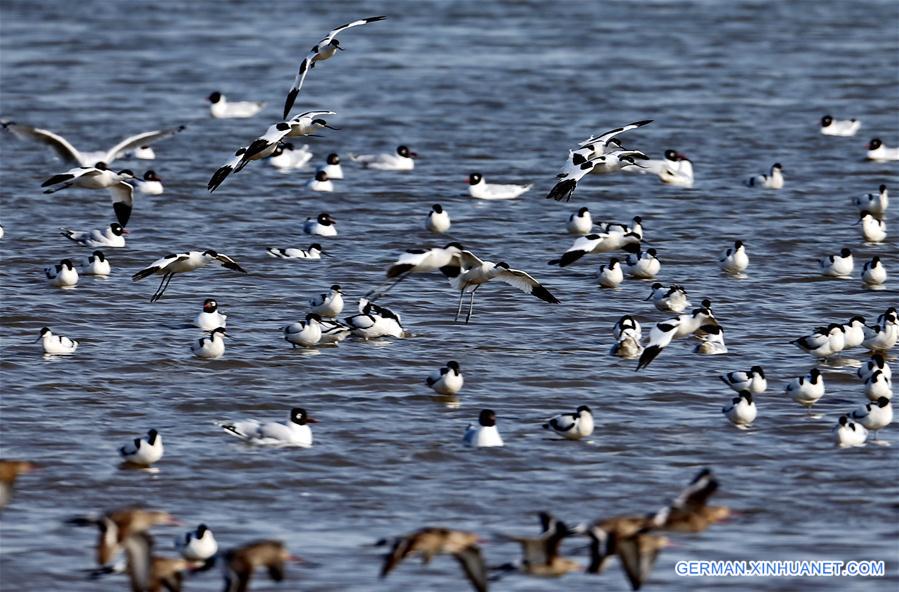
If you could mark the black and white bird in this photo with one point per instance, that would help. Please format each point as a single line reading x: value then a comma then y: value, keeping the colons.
x: 63, y: 275
x: 847, y: 433
x: 169, y: 265
x: 874, y: 416
x: 839, y: 127
x: 113, y: 237
x: 873, y: 272
x: 119, y: 184
x: 68, y: 153
x: 210, y: 318
x: 572, y: 426
x: 438, y: 220
x: 332, y: 166
x: 734, y: 259
x: 773, y: 180
x: 56, y: 344
x: 95, y: 264
x: 307, y: 333
x: 876, y: 203
x: 476, y: 272
x: 580, y: 222
x: 824, y: 342
x: 198, y: 545
x: 741, y: 411
x: 479, y: 188
x: 375, y: 321
x: 221, y: 108
x: 401, y: 160
x: 448, y: 380
x: 643, y: 265
x: 871, y: 229
x: 669, y: 298
x: 219, y: 176
x: 443, y: 259
x: 143, y: 452
x: 681, y: 326
x: 877, y: 362
x: 313, y: 253
x: 304, y: 124
x: 149, y: 184
x: 321, y: 225
x: 320, y: 52
x: 806, y: 390
x: 211, y: 347
x: 611, y: 275
x: 879, y: 152
x: 603, y: 242
x: 328, y: 304
x: 675, y: 169
x: 711, y: 340
x: 320, y: 182
x: 752, y: 380
x: 837, y: 265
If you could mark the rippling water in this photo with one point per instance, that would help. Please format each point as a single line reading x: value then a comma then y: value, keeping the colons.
x: 506, y: 89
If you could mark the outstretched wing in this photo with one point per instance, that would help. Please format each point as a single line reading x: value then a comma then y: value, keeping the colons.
x: 138, y: 140
x: 63, y: 149
x: 638, y: 555
x: 527, y: 284
x: 122, y: 195
x: 473, y: 565
x: 604, y: 137
x: 229, y: 263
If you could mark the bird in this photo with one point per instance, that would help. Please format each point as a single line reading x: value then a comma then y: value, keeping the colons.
x: 773, y: 180
x: 592, y: 153
x: 240, y: 563
x: 485, y: 434
x: 681, y: 326
x: 878, y: 151
x: 875, y: 203
x: 438, y: 220
x: 711, y: 340
x: 540, y: 556
x: 118, y: 525
x: 854, y: 332
x: 219, y: 176
x: 306, y: 333
x: 304, y: 124
x: 198, y: 545
x: 580, y: 222
x: 120, y: 186
x: 287, y: 157
x: 221, y: 108
x: 877, y: 362
x: 95, y: 264
x: 476, y: 272
x: 375, y: 321
x: 824, y: 342
x: 402, y: 160
x: 63, y: 275
x: 752, y: 380
x: 320, y: 182
x: 597, y: 243
x: 313, y: 253
x: 320, y: 52
x: 874, y: 416
x: 572, y: 426
x: 734, y: 259
x: 671, y: 298
x: 444, y: 259
x: 643, y: 265
x: 675, y: 169
x: 883, y: 335
x: 332, y: 166
x: 611, y: 276
x: 111, y: 237
x: 741, y: 411
x: 690, y: 511
x: 210, y: 318
x: 296, y: 432
x: 333, y: 331
x: 431, y: 541
x: 839, y: 127
x: 68, y: 153
x: 873, y: 272
x: 627, y: 325
x: 480, y: 189
x: 143, y: 452
x: 329, y: 304
x: 806, y: 390
x: 169, y: 265
x: 321, y: 225
x: 878, y: 385
x: 872, y: 229
x: 448, y: 380
x: 56, y: 344
x: 837, y: 265
x: 847, y: 433
x: 211, y: 347
x: 9, y: 473
x: 149, y: 184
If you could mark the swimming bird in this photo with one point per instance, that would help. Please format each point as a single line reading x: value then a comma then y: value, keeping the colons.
x: 287, y: 157
x: 321, y: 225
x: 734, y: 259
x: 643, y: 265
x: 485, y: 434
x: 854, y: 332
x: 332, y: 166
x: 839, y: 127
x: 143, y: 452
x: 329, y: 304
x: 872, y: 229
x: 671, y: 298
x: 9, y: 472
x: 210, y: 318
x: 56, y: 344
x: 480, y: 189
x: 675, y: 169
x: 837, y: 265
x: 428, y: 542
x: 68, y: 153
x: 169, y: 265
x: 149, y: 184
x: 476, y: 272
x: 773, y: 180
x: 444, y: 259
x: 580, y: 222
x: 847, y: 433
x: 221, y: 108
x: 211, y: 347
x: 824, y: 342
x: 602, y: 242
x: 877, y: 362
x: 878, y: 385
x: 572, y: 426
x: 540, y: 556
x: 313, y: 253
x: 402, y: 160
x: 741, y: 411
x: 112, y: 237
x: 873, y: 272
x: 95, y: 264
x: 296, y: 432
x: 635, y: 227
x: 198, y: 545
x: 241, y: 562
x: 63, y: 275
x: 878, y: 151
x: 438, y: 220
x: 711, y: 340
x: 883, y: 335
x: 448, y: 380
x: 375, y: 321
x: 306, y: 333
x: 320, y: 52
x: 320, y: 182
x: 874, y: 416
x: 611, y: 276
x: 333, y: 331
x: 752, y: 380
x: 877, y: 203
x: 118, y: 525
x: 806, y: 390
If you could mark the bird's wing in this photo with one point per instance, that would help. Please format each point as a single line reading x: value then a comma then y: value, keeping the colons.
x: 526, y: 283
x: 473, y: 565
x: 469, y: 260
x: 562, y: 423
x: 272, y: 135
x: 138, y: 140
x: 138, y: 549
x: 311, y: 114
x: 158, y: 265
x: 229, y: 263
x: 63, y: 149
x: 604, y: 137
x: 638, y: 555
x: 400, y: 550
x: 122, y: 201
x: 697, y: 493
x: 327, y: 38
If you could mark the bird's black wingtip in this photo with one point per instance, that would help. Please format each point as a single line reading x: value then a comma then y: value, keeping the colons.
x: 288, y: 103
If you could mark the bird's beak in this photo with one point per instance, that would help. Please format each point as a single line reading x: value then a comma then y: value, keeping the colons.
x: 332, y: 127
x: 650, y: 296
x: 468, y: 181
x: 413, y: 155
x: 39, y: 337
x: 325, y: 253
x: 124, y: 231
x: 311, y: 419
x: 338, y: 47
x: 857, y: 222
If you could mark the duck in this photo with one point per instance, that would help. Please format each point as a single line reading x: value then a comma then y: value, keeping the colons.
x: 847, y: 433
x: 143, y: 452
x: 328, y: 305
x: 580, y: 222
x: 839, y: 127
x: 332, y: 167
x: 741, y: 411
x: 96, y: 264
x: 56, y: 344
x: 611, y: 275
x: 448, y: 380
x: 540, y: 556
x: 734, y: 260
x: 478, y: 188
x: 878, y: 385
x: 210, y: 318
x: 806, y: 390
x: 837, y: 265
x: 306, y: 333
x: 874, y: 416
x: 872, y: 229
x: 240, y: 563
x: 752, y: 380
x: 643, y: 265
x: 878, y: 151
x: 296, y: 432
x: 320, y: 182
x: 119, y: 525
x: 211, y: 347
x: 63, y: 275
x: 321, y: 225
x: 572, y: 426
x: 438, y: 220
x: 876, y: 204
x: 485, y: 434
x: 773, y: 180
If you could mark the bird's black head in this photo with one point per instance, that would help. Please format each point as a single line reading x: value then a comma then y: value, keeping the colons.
x: 814, y: 373
x: 454, y: 245
x: 405, y: 152
x: 582, y: 211
x: 706, y: 303
x: 321, y: 176
x: 758, y: 370
x: 333, y: 158
x: 282, y: 126
x: 844, y: 420
x: 874, y: 144
x: 453, y: 365
x: 613, y: 262
x: 746, y: 395
x: 286, y: 145
x: 67, y: 263
x: 220, y: 330
x: 583, y: 409
x: 44, y: 331
x: 857, y: 319
x: 336, y: 288
x: 127, y: 173
x: 656, y: 286
x: 201, y: 530
x: 437, y: 208
x: 738, y: 244
x: 320, y: 122
x: 638, y: 220
x: 826, y: 120
x: 215, y: 97
x: 299, y: 416
x: 671, y: 155
x: 313, y: 317
x: 882, y: 402
x: 315, y: 246
x: 487, y: 418
x: 474, y: 178
x: 210, y: 253
x: 778, y: 166
x: 151, y: 176
x: 99, y: 256
x: 651, y: 252
x: 210, y: 305
x: 325, y: 218
x: 101, y: 166
x: 882, y: 188
x: 503, y: 264
x: 151, y: 436
x: 844, y: 252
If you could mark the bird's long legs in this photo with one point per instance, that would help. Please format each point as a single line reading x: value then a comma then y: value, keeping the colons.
x: 471, y: 304
x: 162, y: 287
x: 459, y: 310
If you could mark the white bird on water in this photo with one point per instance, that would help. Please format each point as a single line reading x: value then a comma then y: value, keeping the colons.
x: 876, y: 203
x: 221, y: 108
x: 321, y: 225
x: 824, y: 342
x: 734, y: 259
x: 753, y: 380
x: 143, y: 452
x: 611, y: 276
x: 572, y: 426
x: 447, y: 380
x: 643, y: 265
x: 601, y: 242
x: 320, y: 182
x: 837, y: 265
x: 296, y: 432
x: 313, y: 253
x: 878, y: 151
x: 874, y: 416
x: 375, y: 321
x: 878, y: 385
x: 806, y: 390
x: 671, y: 298
x: 839, y: 127
x: 306, y: 333
x: 211, y: 347
x: 329, y: 304
x: 332, y: 166
x: 112, y: 237
x: 872, y: 229
x: 169, y: 265
x: 873, y: 272
x: 56, y: 344
x: 485, y: 434
x: 197, y: 545
x: 402, y: 160
x: 287, y: 157
x: 877, y: 362
x: 773, y: 180
x: 848, y: 434
x: 63, y: 275
x: 438, y: 220
x: 741, y: 411
x: 580, y: 222
x: 95, y: 264
x: 210, y: 318
x: 480, y: 189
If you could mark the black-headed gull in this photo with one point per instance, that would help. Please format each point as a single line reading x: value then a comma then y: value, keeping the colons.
x: 485, y: 434
x: 320, y: 182
x: 332, y: 166
x: 402, y: 160
x: 169, y: 265
x: 198, y: 545
x: 210, y: 317
x: 480, y: 189
x: 839, y: 127
x: 321, y: 225
x: 296, y: 432
x: 113, y: 236
x: 878, y: 151
x: 222, y: 108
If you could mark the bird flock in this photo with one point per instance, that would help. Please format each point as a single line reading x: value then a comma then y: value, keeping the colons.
x: 636, y: 540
